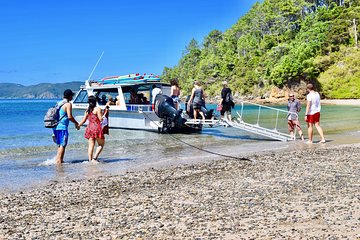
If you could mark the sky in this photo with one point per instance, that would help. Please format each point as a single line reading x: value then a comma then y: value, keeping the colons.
x: 56, y: 41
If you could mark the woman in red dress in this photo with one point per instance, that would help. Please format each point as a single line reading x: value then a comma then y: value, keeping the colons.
x: 94, y: 131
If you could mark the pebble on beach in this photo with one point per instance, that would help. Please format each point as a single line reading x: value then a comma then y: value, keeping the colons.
x: 305, y: 194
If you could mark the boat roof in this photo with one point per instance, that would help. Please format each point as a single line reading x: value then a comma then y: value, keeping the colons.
x: 125, y: 80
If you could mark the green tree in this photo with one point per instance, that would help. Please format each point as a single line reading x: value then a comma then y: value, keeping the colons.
x: 275, y: 43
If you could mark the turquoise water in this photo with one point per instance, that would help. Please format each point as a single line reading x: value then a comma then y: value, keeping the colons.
x: 27, y: 153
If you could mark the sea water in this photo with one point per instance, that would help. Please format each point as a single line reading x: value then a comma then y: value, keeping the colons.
x: 27, y: 153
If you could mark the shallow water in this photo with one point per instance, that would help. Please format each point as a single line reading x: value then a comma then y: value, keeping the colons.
x: 27, y: 154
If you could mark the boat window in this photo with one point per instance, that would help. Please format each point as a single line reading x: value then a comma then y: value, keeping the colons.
x: 143, y: 97
x: 104, y: 95
x: 137, y: 95
x: 127, y: 97
x: 82, y: 97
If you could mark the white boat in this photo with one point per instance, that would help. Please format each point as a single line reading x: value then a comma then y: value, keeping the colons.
x: 136, y: 107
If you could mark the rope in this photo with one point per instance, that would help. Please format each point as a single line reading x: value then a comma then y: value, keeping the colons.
x: 198, y: 148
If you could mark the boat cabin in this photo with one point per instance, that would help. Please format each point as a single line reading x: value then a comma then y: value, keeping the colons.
x: 128, y: 97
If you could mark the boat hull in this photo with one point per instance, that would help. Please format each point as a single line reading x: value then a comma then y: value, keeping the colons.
x: 127, y: 119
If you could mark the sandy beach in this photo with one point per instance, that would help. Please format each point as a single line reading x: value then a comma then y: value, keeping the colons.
x: 283, y: 101
x: 303, y: 194
x: 354, y: 102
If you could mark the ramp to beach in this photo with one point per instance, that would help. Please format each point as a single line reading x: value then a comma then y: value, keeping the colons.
x: 262, y: 120
x: 255, y: 118
x: 256, y: 129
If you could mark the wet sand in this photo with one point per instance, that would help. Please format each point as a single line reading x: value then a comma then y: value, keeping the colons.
x: 308, y: 193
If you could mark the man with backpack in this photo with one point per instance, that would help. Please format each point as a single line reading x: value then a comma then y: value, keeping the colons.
x: 226, y: 101
x: 61, y: 134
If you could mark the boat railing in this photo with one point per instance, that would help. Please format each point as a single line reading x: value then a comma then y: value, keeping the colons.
x: 266, y: 117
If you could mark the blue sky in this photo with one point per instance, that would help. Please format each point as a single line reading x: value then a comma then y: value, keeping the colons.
x: 61, y: 41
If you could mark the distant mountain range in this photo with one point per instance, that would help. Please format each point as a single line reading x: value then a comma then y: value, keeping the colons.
x: 41, y: 91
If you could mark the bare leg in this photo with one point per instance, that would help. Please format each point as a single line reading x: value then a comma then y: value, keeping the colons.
x: 310, y: 132
x: 195, y: 114
x: 91, y: 148
x: 202, y: 115
x: 101, y: 143
x: 60, y: 155
x: 301, y: 134
x: 320, y: 131
x: 292, y: 135
x: 229, y: 116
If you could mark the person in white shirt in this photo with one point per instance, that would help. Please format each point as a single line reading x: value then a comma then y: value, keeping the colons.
x: 155, y: 91
x: 312, y: 113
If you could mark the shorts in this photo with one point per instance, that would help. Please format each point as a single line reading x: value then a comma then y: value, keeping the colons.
x: 314, y: 118
x: 225, y: 108
x: 292, y: 124
x: 197, y: 105
x: 175, y: 98
x: 61, y: 137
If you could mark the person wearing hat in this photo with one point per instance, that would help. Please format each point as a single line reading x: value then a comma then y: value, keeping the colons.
x: 61, y: 134
x: 226, y: 101
x: 294, y: 107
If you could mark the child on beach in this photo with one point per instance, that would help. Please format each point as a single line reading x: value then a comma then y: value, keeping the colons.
x: 94, y: 131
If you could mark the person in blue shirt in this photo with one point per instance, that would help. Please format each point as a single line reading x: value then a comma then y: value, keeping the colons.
x: 61, y: 134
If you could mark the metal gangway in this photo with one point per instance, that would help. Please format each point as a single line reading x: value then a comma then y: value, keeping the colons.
x: 258, y: 119
x: 262, y: 120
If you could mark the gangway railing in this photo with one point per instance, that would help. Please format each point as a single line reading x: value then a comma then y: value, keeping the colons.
x: 272, y: 124
x: 255, y: 118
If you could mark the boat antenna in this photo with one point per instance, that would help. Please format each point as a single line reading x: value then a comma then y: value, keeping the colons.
x: 95, y: 65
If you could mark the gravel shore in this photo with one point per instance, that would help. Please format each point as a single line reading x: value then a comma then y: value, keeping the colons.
x: 302, y: 194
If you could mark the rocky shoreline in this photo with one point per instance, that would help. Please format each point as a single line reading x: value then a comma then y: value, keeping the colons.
x: 310, y: 193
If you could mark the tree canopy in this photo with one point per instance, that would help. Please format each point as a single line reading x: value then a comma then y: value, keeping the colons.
x: 277, y: 43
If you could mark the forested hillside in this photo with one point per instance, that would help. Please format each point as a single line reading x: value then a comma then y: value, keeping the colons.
x: 279, y: 45
x: 43, y: 90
